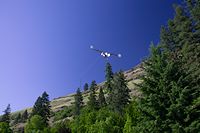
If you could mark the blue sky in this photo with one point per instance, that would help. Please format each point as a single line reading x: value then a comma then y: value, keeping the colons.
x: 44, y: 44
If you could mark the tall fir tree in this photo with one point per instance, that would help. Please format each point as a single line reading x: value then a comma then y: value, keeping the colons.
x: 166, y: 102
x: 101, y: 99
x: 177, y: 34
x: 37, y: 108
x: 155, y: 88
x: 120, y: 93
x: 6, y: 116
x: 86, y: 87
x: 46, y: 107
x: 42, y: 107
x: 108, y: 84
x: 78, y: 104
x: 108, y: 76
x: 92, y: 103
x: 186, y: 25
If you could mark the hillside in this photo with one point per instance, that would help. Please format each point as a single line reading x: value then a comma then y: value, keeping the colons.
x: 132, y: 77
x: 58, y: 104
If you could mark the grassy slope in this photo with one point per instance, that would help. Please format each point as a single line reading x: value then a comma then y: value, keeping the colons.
x: 132, y: 76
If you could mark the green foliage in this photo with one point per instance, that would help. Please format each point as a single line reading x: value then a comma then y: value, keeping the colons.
x: 86, y: 87
x: 109, y: 73
x: 167, y: 95
x: 35, y: 125
x: 62, y: 114
x: 61, y: 127
x: 18, y: 119
x: 133, y: 116
x: 5, y: 128
x: 184, y: 31
x: 42, y: 107
x: 92, y: 103
x: 93, y: 86
x: 37, y: 108
x: 108, y: 84
x: 156, y: 88
x: 100, y: 121
x: 78, y: 102
x: 101, y: 99
x: 6, y: 116
x: 46, y: 107
x: 24, y: 116
x: 120, y: 93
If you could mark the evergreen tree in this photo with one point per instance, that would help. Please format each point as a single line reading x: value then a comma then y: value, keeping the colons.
x: 167, y: 98
x: 120, y: 93
x: 46, y: 107
x: 132, y: 118
x: 108, y: 76
x: 101, y: 100
x: 92, y: 103
x: 194, y: 12
x: 178, y: 33
x: 42, y: 107
x: 18, y: 119
x: 37, y: 108
x: 86, y: 87
x: 108, y: 84
x: 78, y: 102
x: 25, y: 116
x: 186, y: 25
x: 6, y: 116
x: 93, y: 85
x: 155, y: 89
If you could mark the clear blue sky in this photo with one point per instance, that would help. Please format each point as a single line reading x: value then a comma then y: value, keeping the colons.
x: 44, y: 44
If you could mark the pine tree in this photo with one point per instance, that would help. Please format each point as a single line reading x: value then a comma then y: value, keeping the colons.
x: 108, y: 84
x: 101, y: 100
x: 92, y: 103
x: 108, y: 76
x: 120, y: 93
x: 167, y: 95
x: 177, y: 33
x: 194, y: 11
x: 86, y: 87
x: 42, y: 107
x: 186, y: 25
x: 78, y: 102
x: 25, y: 116
x: 155, y: 88
x: 37, y: 108
x: 46, y: 107
x: 132, y: 118
x: 6, y: 116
